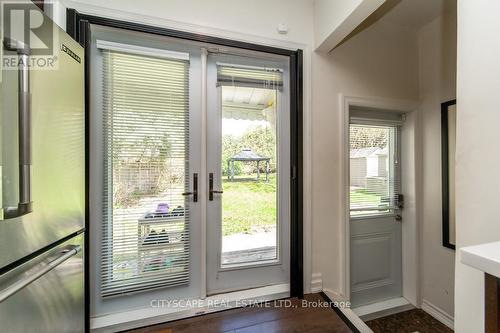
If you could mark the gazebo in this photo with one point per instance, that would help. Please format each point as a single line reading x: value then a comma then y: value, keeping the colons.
x: 247, y: 155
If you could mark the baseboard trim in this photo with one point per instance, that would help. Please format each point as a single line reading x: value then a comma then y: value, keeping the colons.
x: 316, y: 283
x: 438, y: 313
x: 338, y: 297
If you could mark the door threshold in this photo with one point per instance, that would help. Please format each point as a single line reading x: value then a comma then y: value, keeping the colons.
x: 383, y: 308
x: 162, y: 311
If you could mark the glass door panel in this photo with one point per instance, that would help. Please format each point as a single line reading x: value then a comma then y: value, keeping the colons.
x: 146, y: 123
x: 145, y: 148
x: 250, y: 173
x: 373, y: 178
x: 248, y: 166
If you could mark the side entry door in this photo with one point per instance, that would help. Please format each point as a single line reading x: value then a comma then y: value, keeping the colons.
x: 375, y: 221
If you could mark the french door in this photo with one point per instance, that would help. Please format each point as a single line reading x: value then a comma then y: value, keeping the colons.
x: 165, y: 221
x: 248, y: 228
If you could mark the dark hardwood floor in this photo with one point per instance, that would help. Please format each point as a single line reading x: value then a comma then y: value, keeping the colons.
x: 259, y: 319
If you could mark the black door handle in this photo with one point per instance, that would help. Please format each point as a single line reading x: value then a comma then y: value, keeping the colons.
x: 194, y: 193
x: 211, y: 190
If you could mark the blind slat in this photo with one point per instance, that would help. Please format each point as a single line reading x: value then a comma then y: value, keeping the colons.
x: 246, y: 76
x: 145, y: 243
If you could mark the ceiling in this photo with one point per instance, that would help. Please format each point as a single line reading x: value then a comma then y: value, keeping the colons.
x: 412, y: 14
x: 415, y: 13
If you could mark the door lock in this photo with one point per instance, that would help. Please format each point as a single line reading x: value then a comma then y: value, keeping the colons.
x: 401, y: 201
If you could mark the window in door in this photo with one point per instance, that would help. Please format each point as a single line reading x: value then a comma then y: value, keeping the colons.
x: 249, y: 164
x: 145, y: 242
x: 374, y: 166
x: 248, y: 161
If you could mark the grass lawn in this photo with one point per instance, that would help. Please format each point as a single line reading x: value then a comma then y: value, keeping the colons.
x: 362, y: 196
x: 248, y: 204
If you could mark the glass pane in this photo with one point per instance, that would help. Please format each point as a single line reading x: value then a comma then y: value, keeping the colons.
x: 146, y: 121
x: 372, y: 171
x: 249, y: 171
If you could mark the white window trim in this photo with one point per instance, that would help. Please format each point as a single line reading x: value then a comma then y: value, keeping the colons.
x: 141, y: 50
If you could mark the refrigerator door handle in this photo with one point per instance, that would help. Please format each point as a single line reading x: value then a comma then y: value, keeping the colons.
x: 25, y: 205
x: 67, y: 253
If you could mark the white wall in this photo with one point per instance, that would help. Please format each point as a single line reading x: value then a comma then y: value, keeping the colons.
x: 478, y: 161
x: 437, y: 77
x: 335, y: 19
x: 258, y: 18
x: 380, y: 62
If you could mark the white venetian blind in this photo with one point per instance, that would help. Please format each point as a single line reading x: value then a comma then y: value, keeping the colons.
x: 145, y: 236
x: 249, y: 76
x: 373, y: 161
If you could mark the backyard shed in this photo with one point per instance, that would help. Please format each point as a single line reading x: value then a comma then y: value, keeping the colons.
x: 368, y: 166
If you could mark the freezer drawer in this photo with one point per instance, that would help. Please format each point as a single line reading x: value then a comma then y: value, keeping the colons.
x: 53, y: 302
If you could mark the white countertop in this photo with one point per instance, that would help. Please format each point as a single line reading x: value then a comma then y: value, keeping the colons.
x: 484, y: 257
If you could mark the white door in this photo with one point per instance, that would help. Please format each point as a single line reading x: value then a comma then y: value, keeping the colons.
x: 145, y: 148
x: 248, y: 154
x: 375, y: 223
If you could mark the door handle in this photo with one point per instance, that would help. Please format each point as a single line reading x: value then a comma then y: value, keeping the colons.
x: 194, y: 193
x: 211, y: 190
x: 25, y: 205
x: 21, y: 284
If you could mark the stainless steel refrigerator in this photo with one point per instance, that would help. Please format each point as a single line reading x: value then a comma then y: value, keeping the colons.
x: 42, y: 166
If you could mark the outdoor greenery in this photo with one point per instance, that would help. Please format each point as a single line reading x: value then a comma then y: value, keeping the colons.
x: 367, y: 137
x: 140, y: 172
x: 260, y: 139
x: 362, y: 196
x: 248, y: 205
x: 139, y: 164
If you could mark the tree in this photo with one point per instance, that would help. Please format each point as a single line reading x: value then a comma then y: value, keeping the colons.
x: 260, y: 139
x: 367, y: 137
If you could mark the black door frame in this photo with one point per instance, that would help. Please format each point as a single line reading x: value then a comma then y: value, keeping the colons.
x: 78, y: 27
